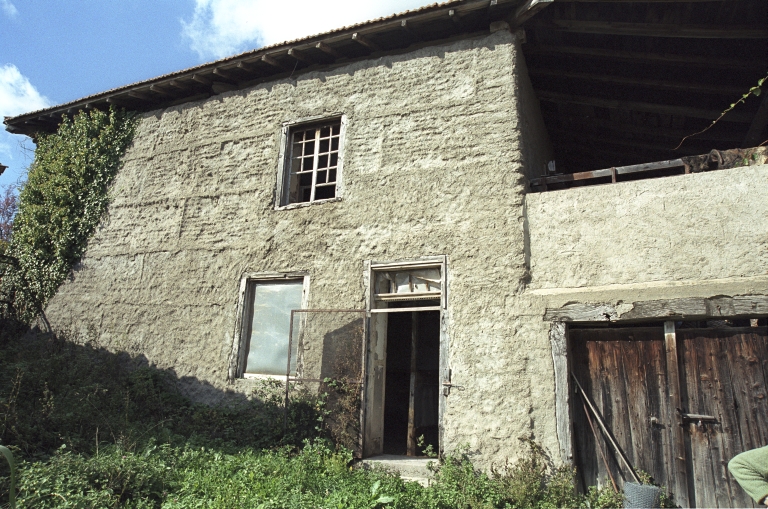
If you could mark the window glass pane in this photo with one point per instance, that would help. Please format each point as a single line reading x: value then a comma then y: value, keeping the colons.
x: 323, y: 147
x: 334, y: 144
x: 270, y: 325
x: 322, y: 161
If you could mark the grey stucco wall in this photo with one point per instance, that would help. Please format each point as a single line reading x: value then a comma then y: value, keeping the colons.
x: 701, y: 228
x: 433, y: 166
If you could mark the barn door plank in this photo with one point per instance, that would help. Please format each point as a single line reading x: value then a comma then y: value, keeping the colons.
x: 623, y: 371
x: 718, y: 373
x: 695, y: 358
x: 676, y: 459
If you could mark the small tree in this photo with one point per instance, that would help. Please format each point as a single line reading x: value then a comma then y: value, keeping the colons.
x: 9, y: 203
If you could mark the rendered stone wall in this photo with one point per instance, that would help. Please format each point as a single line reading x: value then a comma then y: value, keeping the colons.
x: 433, y: 166
x: 702, y: 228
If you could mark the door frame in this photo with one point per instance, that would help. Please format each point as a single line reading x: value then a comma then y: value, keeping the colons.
x: 372, y: 408
x: 668, y: 311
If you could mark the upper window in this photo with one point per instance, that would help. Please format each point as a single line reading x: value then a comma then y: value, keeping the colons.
x: 267, y: 321
x: 312, y: 162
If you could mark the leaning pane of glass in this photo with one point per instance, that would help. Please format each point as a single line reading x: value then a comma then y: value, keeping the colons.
x: 425, y: 280
x: 272, y: 305
x: 403, y: 282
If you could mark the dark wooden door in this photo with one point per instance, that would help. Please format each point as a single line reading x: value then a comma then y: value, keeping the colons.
x: 724, y: 373
x: 624, y: 372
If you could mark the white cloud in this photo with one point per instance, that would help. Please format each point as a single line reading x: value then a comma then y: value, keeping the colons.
x: 8, y: 8
x: 220, y: 28
x: 17, y: 96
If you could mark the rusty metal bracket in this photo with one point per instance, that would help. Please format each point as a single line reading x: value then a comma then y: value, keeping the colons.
x: 699, y: 419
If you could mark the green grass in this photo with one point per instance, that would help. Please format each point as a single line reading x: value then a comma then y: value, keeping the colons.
x: 92, y: 429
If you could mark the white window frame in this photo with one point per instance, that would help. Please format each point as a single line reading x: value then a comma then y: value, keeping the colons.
x: 284, y: 160
x: 244, y: 310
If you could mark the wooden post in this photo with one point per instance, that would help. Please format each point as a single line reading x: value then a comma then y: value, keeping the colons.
x: 414, y: 379
x: 557, y: 337
x: 679, y: 466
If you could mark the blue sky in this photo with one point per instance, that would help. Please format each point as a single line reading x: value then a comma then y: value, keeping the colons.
x: 54, y: 51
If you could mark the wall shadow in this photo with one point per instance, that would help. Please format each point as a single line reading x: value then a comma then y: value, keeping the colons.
x: 55, y: 392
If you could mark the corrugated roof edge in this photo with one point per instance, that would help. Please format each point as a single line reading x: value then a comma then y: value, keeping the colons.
x: 420, y: 11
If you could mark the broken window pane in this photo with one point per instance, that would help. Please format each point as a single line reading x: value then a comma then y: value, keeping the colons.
x: 408, y: 281
x: 270, y: 326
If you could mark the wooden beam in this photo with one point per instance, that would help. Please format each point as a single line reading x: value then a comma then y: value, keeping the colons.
x: 678, y: 463
x: 656, y: 29
x: 529, y: 9
x: 708, y: 88
x: 180, y: 85
x: 691, y: 308
x: 406, y: 27
x: 225, y: 75
x: 246, y: 67
x: 141, y: 95
x: 300, y: 56
x: 632, y: 56
x: 563, y: 420
x: 663, y: 109
x: 455, y: 18
x: 364, y: 41
x: 581, y: 137
x: 202, y: 79
x: 572, y: 121
x: 757, y: 127
x: 329, y: 50
x: 119, y: 101
x: 272, y: 62
x: 161, y: 91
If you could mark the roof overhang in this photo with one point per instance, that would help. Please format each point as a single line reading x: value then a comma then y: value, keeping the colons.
x: 395, y: 33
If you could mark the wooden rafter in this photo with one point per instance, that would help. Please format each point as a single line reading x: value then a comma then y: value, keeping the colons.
x: 664, y: 109
x: 659, y: 131
x: 656, y: 29
x: 635, y: 56
x: 667, y: 84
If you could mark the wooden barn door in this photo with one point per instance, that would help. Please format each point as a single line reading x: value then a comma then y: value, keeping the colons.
x: 725, y: 379
x: 723, y: 407
x: 624, y: 372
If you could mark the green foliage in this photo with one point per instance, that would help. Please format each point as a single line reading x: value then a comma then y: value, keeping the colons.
x: 61, y: 204
x: 93, y: 429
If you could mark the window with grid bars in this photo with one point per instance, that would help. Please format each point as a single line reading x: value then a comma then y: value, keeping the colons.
x: 313, y: 162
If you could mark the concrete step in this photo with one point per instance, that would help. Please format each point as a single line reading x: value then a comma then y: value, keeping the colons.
x: 408, y: 467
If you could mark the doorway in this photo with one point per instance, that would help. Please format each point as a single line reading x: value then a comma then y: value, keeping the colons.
x: 412, y: 381
x: 407, y: 379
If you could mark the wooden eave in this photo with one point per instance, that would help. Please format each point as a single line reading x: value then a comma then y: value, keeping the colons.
x: 623, y: 82
x: 392, y: 34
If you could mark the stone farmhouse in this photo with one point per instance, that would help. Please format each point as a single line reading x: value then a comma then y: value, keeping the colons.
x: 475, y: 208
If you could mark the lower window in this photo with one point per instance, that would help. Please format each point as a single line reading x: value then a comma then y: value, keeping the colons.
x: 267, y: 324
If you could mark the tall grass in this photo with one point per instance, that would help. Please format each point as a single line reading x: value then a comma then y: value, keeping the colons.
x: 93, y: 429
